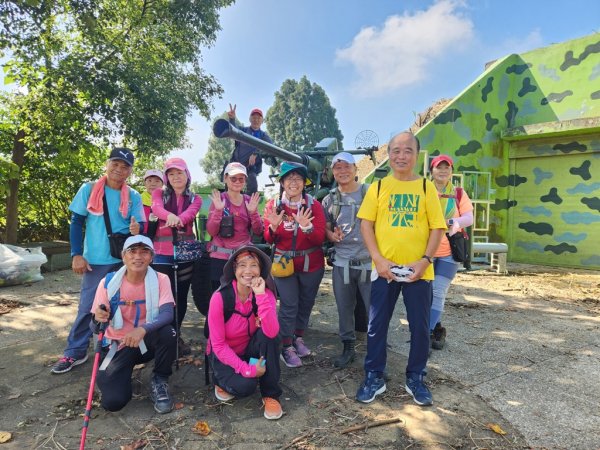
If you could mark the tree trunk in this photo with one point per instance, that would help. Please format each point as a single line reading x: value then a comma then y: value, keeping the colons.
x: 12, y: 200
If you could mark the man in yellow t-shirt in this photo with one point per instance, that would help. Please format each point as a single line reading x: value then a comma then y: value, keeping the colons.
x: 402, y: 225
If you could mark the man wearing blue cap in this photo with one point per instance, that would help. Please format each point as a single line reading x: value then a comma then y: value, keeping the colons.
x: 351, y: 261
x: 105, y: 207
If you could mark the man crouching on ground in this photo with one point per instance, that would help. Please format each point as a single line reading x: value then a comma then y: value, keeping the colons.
x: 139, y: 304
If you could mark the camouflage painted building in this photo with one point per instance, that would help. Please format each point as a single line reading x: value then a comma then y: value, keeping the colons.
x: 526, y: 138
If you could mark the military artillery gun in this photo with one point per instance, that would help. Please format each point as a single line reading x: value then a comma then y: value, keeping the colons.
x: 316, y: 160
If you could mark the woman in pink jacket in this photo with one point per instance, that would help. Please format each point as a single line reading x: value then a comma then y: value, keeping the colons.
x: 243, y: 343
x: 232, y: 219
x: 176, y: 208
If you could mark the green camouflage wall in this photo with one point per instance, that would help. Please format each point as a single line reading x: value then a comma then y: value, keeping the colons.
x: 545, y: 178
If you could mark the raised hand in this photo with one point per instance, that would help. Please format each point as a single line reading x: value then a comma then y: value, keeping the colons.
x: 274, y: 218
x: 134, y: 226
x: 304, y: 217
x: 252, y: 159
x: 252, y: 205
x: 231, y: 112
x: 258, y: 285
x: 217, y: 201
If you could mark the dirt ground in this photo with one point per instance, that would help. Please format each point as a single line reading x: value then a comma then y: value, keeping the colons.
x: 41, y: 410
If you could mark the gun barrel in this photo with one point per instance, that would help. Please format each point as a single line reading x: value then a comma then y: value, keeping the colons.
x: 222, y: 128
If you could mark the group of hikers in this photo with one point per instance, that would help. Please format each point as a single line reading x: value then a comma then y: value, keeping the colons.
x: 387, y: 238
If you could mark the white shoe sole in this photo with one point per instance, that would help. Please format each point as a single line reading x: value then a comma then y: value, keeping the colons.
x: 76, y: 363
x: 288, y: 365
x: 381, y: 390
x: 223, y: 399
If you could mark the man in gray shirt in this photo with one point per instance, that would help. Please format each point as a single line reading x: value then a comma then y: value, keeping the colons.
x: 352, y: 262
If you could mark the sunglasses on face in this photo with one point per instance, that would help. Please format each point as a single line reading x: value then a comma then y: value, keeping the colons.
x: 238, y: 179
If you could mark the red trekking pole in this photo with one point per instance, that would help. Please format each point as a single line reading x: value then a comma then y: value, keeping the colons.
x: 88, y: 407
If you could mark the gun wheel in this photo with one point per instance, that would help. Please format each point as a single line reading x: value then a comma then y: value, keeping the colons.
x: 366, y: 139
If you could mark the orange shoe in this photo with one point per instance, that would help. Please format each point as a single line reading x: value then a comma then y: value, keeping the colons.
x: 273, y: 409
x: 222, y: 395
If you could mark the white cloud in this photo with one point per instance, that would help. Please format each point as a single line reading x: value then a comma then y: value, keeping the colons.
x: 401, y: 52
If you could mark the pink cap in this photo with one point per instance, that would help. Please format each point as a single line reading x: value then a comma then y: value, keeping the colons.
x: 176, y: 163
x: 441, y: 158
x: 257, y: 111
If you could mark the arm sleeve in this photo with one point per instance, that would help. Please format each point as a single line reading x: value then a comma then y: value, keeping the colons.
x: 466, y: 211
x: 101, y: 298
x: 190, y: 213
x: 267, y: 311
x: 158, y: 207
x: 76, y: 234
x: 165, y: 317
x: 218, y: 340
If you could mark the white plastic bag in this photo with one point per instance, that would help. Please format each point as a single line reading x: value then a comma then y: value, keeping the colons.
x: 20, y: 265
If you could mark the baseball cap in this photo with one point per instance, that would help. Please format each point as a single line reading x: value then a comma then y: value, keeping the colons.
x: 235, y: 168
x: 343, y: 156
x: 139, y: 240
x: 122, y: 153
x: 153, y: 173
x: 441, y: 158
x: 257, y: 111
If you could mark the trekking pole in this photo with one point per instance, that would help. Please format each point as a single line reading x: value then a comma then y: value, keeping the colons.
x: 88, y: 407
x: 175, y: 268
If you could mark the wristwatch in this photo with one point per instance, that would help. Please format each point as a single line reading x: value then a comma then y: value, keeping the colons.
x: 428, y: 258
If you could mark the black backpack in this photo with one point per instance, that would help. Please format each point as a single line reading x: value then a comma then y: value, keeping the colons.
x: 228, y: 296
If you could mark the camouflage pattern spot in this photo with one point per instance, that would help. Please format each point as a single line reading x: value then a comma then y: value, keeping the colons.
x: 528, y: 108
x: 511, y: 114
x: 539, y: 228
x: 573, y: 61
x: 595, y: 95
x: 518, y: 68
x: 583, y: 171
x: 500, y: 204
x: 576, y: 217
x: 570, y: 147
x: 570, y: 237
x: 540, y: 175
x: 490, y: 122
x: 595, y: 72
x: 563, y: 247
x: 591, y: 202
x: 552, y: 197
x: 527, y: 87
x: 544, y: 149
x: 593, y: 260
x: 489, y: 162
x: 447, y: 116
x: 582, y: 188
x: 511, y: 180
x: 487, y: 89
x: 467, y: 169
x: 468, y: 148
x: 537, y: 211
x: 548, y: 72
x: 556, y: 97
x: 530, y: 246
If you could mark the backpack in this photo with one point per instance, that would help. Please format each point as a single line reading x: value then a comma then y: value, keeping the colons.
x: 336, y: 206
x: 228, y: 296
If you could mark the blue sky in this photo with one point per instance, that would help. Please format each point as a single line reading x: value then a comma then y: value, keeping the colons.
x: 381, y: 61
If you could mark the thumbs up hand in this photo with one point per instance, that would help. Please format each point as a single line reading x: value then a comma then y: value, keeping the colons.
x: 134, y: 226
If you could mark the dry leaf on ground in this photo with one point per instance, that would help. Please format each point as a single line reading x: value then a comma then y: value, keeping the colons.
x: 135, y: 445
x: 201, y: 428
x: 496, y: 428
x: 5, y: 436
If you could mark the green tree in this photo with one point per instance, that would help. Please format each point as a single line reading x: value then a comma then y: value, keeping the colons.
x: 92, y: 73
x: 301, y: 116
x: 218, y: 153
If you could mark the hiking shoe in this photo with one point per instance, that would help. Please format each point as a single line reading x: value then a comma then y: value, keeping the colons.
x: 163, y: 403
x: 419, y: 392
x: 184, y: 349
x: 370, y: 388
x: 301, y: 348
x: 438, y: 337
x: 273, y: 409
x: 347, y: 355
x: 66, y: 363
x: 290, y: 357
x: 222, y: 395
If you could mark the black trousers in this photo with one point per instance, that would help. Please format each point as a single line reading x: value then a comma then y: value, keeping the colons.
x: 184, y: 279
x: 234, y: 383
x: 115, y: 382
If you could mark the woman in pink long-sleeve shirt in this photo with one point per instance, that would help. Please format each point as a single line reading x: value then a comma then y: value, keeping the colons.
x: 176, y: 208
x: 250, y: 330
